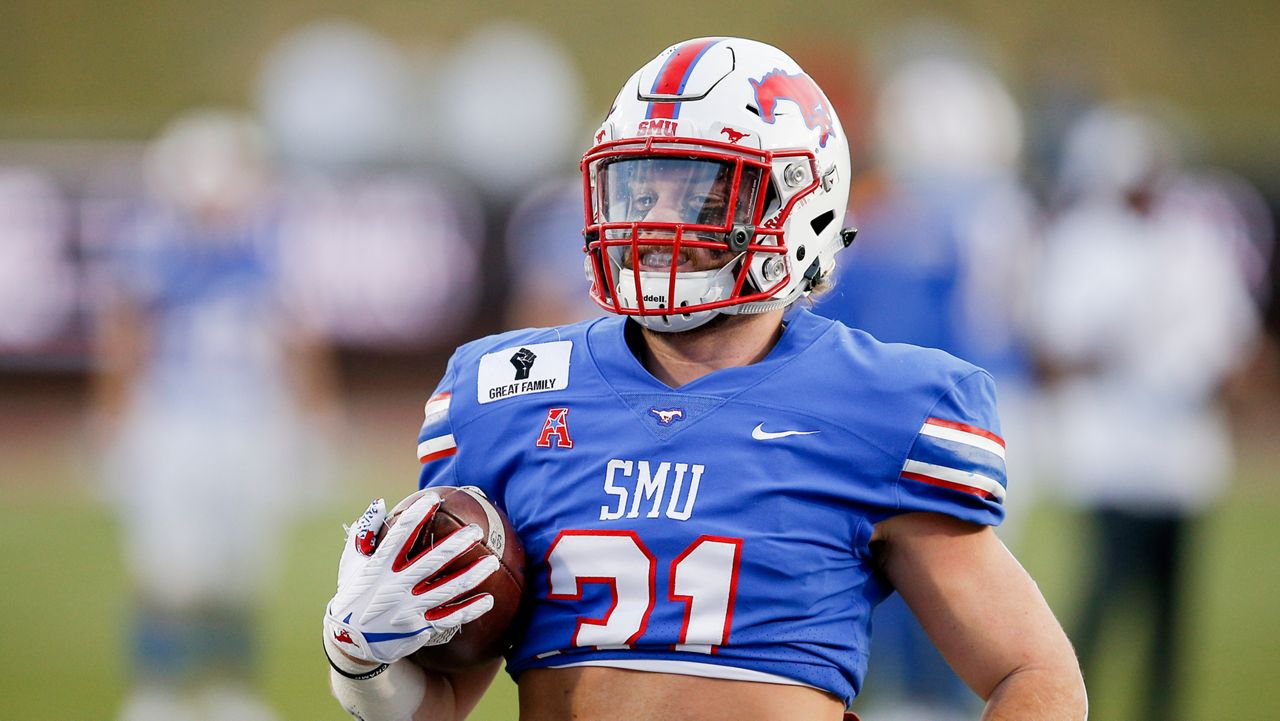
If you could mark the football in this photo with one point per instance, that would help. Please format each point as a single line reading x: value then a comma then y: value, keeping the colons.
x: 489, y: 636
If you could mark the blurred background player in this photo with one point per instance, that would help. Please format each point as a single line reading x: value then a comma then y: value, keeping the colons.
x: 1145, y: 313
x: 363, y: 223
x: 205, y: 381
x: 942, y: 259
x: 545, y: 271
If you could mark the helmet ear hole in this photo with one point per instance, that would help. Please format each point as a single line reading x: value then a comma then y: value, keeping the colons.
x: 821, y: 222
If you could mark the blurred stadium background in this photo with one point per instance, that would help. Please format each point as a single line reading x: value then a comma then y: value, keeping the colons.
x: 424, y: 150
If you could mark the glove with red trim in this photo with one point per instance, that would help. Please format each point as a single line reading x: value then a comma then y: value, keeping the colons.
x: 384, y: 610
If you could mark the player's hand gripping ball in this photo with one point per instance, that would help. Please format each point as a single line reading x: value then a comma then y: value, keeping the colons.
x: 438, y: 579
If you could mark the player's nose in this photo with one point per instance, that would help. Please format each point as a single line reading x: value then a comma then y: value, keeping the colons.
x: 665, y: 210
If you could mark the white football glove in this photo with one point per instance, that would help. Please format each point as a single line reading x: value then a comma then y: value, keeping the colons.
x: 377, y: 615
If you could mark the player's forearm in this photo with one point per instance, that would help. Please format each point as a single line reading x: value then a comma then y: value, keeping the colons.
x: 453, y: 696
x: 1039, y: 693
x: 398, y: 691
x: 402, y: 692
x: 439, y: 703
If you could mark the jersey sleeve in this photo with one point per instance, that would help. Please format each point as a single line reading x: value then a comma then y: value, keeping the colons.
x: 437, y: 448
x: 955, y: 464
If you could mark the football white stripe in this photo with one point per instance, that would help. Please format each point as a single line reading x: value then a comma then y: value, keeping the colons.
x: 959, y: 436
x: 964, y: 478
x: 435, y: 445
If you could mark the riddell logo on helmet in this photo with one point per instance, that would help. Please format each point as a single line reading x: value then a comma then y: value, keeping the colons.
x: 799, y: 89
x: 655, y: 298
x: 666, y: 128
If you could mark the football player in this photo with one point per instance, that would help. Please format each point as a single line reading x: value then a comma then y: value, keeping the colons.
x: 715, y: 486
x: 201, y: 356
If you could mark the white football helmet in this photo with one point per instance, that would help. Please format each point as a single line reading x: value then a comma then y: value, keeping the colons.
x: 717, y: 184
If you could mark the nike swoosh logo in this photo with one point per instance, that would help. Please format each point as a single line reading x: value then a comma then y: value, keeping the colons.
x: 760, y: 434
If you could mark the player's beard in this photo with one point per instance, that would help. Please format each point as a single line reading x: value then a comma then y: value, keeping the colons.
x: 718, y: 322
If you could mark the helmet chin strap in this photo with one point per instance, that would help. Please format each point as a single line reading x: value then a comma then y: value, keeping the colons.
x: 674, y: 322
x: 810, y: 279
x: 763, y: 306
x: 701, y: 318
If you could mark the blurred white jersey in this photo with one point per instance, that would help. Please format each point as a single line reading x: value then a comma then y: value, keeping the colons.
x: 210, y: 424
x: 1154, y: 313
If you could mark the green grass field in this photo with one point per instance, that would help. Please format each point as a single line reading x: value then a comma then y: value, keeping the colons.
x: 64, y: 598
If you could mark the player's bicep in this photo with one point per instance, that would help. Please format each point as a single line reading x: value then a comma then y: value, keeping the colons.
x: 978, y: 605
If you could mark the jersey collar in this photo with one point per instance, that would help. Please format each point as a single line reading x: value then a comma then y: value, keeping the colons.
x: 619, y: 368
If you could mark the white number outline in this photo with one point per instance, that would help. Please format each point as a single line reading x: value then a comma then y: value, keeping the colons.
x: 687, y: 600
x: 612, y: 581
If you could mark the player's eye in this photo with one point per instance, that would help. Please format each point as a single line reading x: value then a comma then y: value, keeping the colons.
x: 707, y: 207
x: 642, y: 203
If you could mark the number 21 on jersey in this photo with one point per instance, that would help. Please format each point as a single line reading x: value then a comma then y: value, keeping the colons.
x: 704, y: 577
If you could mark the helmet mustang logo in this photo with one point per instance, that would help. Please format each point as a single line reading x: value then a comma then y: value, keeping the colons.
x: 799, y: 89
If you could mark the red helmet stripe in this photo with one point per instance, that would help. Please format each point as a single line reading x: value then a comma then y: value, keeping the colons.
x: 675, y: 74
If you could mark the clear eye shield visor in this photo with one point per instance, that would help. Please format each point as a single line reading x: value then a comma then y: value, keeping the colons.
x: 661, y: 215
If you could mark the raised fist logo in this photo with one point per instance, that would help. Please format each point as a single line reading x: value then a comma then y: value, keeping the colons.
x: 523, y: 361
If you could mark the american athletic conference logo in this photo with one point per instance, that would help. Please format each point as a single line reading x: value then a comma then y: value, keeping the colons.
x: 555, y: 430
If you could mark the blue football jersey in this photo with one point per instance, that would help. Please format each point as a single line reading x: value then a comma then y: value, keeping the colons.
x: 721, y: 528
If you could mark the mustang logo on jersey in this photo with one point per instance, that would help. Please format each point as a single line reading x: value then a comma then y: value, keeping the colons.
x: 667, y: 416
x: 555, y: 430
